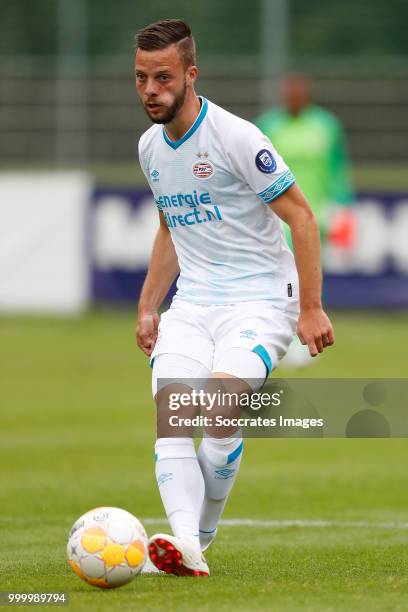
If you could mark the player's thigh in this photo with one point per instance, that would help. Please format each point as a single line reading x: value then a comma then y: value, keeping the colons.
x: 243, y: 365
x: 174, y: 368
x: 260, y: 329
x: 182, y: 331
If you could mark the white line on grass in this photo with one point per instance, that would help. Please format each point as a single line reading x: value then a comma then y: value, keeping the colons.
x: 245, y: 522
x: 276, y: 524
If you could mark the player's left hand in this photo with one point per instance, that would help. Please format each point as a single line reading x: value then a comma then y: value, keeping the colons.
x: 315, y: 330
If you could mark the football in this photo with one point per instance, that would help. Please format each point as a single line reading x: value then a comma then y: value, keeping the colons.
x: 107, y: 547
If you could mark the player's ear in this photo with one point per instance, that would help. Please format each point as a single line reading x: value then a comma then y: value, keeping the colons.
x: 192, y: 73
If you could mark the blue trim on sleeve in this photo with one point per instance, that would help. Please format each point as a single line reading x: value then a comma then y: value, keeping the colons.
x: 152, y: 361
x: 236, y: 453
x: 277, y: 188
x: 155, y: 457
x: 264, y: 355
x: 175, y: 144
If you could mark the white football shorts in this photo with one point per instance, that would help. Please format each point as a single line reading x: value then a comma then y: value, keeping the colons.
x: 206, y: 334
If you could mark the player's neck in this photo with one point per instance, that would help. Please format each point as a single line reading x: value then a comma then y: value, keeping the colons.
x: 185, y: 118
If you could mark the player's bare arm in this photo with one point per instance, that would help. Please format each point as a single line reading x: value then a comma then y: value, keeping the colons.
x: 314, y: 327
x: 163, y: 269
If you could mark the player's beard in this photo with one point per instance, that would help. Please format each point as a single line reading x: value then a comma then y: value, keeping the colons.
x: 172, y: 110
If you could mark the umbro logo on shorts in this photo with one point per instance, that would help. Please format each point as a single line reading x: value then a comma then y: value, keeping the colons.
x: 248, y: 333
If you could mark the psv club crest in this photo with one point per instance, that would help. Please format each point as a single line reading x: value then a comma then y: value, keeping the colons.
x: 203, y: 169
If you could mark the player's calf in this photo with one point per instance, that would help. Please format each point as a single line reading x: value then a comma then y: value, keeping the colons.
x: 219, y: 460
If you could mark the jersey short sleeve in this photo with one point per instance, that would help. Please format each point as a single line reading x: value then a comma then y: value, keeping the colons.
x: 256, y: 161
x: 142, y: 159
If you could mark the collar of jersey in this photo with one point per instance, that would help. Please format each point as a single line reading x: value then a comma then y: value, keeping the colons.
x: 175, y: 144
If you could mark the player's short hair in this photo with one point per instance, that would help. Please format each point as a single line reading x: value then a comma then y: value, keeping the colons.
x: 161, y: 34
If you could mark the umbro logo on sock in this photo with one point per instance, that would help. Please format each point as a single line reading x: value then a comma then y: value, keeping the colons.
x: 164, y: 478
x: 224, y: 473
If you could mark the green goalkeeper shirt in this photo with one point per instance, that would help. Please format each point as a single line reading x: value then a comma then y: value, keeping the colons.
x: 313, y: 145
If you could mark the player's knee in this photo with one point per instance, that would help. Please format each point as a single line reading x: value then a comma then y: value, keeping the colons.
x: 222, y: 451
x: 175, y: 415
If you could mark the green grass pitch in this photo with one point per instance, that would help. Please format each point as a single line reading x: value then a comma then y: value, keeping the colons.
x: 77, y: 431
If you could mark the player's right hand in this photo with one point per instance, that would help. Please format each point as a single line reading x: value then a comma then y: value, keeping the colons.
x: 146, y: 331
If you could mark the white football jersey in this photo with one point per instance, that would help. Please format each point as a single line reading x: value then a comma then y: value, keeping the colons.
x: 213, y: 187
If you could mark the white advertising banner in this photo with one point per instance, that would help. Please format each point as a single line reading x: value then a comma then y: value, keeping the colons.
x: 44, y: 263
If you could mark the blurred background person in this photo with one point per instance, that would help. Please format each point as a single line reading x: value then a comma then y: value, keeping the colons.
x: 312, y: 141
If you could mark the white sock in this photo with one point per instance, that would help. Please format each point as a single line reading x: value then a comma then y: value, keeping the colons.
x: 181, y: 485
x: 219, y: 461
